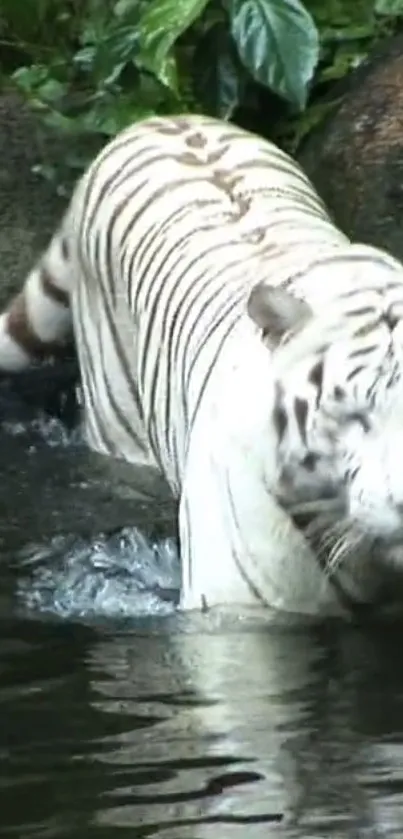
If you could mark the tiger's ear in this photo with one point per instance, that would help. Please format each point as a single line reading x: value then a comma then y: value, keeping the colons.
x: 276, y: 311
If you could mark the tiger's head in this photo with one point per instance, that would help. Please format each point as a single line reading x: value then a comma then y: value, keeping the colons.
x: 338, y: 399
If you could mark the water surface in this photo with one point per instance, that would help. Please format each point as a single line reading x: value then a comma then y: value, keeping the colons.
x: 121, y: 717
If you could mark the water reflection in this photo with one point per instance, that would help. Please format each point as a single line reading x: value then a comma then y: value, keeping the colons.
x: 190, y: 730
x: 163, y: 725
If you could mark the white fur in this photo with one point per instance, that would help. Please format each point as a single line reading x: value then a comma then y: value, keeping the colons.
x: 376, y: 495
x: 49, y: 319
x: 229, y: 495
x: 13, y: 357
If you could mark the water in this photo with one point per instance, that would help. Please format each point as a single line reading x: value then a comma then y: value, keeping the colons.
x: 121, y: 717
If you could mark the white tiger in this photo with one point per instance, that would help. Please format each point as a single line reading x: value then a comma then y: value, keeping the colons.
x: 230, y: 335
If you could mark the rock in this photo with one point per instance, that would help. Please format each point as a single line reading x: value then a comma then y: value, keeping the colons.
x: 29, y: 206
x: 355, y: 159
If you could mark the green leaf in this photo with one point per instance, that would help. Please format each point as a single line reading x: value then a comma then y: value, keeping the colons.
x: 160, y: 27
x: 345, y: 58
x: 104, y: 59
x: 278, y: 42
x: 52, y: 91
x: 333, y: 35
x: 124, y: 7
x: 389, y: 7
x: 341, y: 14
x: 111, y: 117
x: 29, y: 78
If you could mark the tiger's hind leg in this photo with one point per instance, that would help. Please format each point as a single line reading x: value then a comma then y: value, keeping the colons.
x: 106, y: 339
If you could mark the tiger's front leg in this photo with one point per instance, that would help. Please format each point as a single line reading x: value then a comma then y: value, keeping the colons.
x: 238, y: 545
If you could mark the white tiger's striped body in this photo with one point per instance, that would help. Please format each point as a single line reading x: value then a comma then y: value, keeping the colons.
x: 167, y: 235
x: 216, y: 240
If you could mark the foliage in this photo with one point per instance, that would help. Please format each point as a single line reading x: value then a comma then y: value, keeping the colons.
x: 93, y: 66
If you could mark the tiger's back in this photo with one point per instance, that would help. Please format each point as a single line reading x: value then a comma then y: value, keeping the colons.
x: 173, y: 224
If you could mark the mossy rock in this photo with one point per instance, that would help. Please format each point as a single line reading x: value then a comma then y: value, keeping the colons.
x: 29, y: 205
x: 355, y: 159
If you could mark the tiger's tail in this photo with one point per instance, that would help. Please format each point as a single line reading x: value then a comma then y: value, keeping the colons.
x: 37, y: 322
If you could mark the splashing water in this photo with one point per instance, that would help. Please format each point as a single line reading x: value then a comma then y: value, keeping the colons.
x: 119, y: 576
x: 123, y: 575
x: 47, y: 430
